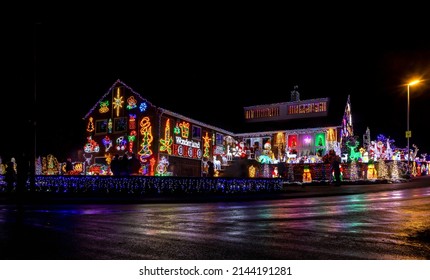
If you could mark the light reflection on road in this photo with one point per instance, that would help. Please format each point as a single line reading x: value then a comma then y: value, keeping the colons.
x: 360, y: 226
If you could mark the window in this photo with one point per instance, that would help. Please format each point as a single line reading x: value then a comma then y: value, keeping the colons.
x: 219, y: 139
x: 101, y: 126
x: 120, y: 124
x: 197, y: 132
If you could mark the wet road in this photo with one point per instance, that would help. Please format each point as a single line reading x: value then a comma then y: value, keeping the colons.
x: 373, y: 225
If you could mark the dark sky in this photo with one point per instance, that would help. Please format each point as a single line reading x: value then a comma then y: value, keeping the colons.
x: 208, y: 67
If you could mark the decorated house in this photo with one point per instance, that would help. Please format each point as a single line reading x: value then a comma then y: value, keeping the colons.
x: 295, y: 131
x: 123, y: 122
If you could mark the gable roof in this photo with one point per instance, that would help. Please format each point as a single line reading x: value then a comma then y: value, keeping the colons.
x: 118, y: 82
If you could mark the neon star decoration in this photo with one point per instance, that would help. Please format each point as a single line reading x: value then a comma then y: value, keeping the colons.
x: 166, y: 143
x: 90, y: 127
x: 206, y: 145
x: 104, y: 106
x: 117, y: 103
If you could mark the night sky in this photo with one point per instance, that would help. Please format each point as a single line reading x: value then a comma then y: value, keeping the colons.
x: 208, y: 67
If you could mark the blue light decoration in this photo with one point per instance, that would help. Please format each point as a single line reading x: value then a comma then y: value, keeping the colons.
x: 138, y: 186
x: 143, y: 106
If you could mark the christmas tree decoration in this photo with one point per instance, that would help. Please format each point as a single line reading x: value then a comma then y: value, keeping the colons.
x: 90, y: 126
x: 395, y: 175
x: 382, y: 170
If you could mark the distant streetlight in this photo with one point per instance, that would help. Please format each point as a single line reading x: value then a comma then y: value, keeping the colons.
x: 408, y: 132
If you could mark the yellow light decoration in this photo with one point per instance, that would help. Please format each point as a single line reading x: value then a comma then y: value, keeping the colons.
x: 90, y: 127
x: 108, y: 158
x: 371, y: 171
x: 185, y: 129
x: 147, y: 137
x: 252, y: 171
x: 118, y: 102
x: 206, y: 145
x: 307, y: 177
x: 166, y: 143
x: 104, y: 106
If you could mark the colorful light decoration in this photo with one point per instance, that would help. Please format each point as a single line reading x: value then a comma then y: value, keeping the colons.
x: 121, y: 143
x: 107, y: 142
x: 206, y: 144
x: 166, y: 143
x: 185, y: 129
x: 132, y: 102
x: 91, y: 146
x: 118, y: 102
x: 90, y: 126
x: 147, y: 138
x: 104, y: 107
x: 161, y: 168
x: 132, y: 121
x: 131, y: 139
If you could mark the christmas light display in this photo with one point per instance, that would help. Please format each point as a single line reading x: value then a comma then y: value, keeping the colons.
x: 117, y: 103
x: 131, y: 103
x: 104, y: 107
x: 143, y: 106
x: 132, y: 121
x: 307, y: 177
x: 382, y: 170
x: 166, y: 143
x: 206, y: 145
x: 185, y: 129
x: 90, y: 126
x: 353, y: 172
x: 147, y: 138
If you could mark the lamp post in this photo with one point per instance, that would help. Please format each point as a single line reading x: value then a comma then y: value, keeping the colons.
x: 408, y: 132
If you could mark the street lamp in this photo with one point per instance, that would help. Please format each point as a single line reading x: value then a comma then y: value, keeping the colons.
x: 408, y: 132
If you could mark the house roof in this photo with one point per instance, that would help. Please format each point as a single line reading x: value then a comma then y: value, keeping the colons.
x: 239, y: 126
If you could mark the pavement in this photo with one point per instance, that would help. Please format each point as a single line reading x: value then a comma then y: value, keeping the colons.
x: 289, y: 191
